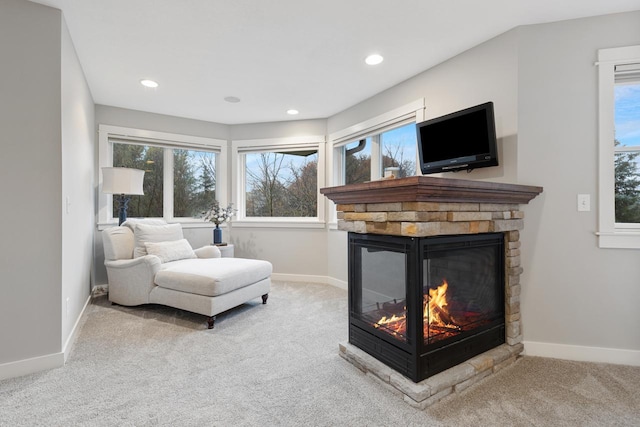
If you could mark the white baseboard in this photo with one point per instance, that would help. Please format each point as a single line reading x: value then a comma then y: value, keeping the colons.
x: 615, y: 356
x: 66, y: 350
x: 46, y: 362
x: 309, y: 279
x: 30, y: 366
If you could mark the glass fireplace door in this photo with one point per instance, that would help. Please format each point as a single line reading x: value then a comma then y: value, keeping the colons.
x: 381, y: 297
x: 462, y: 286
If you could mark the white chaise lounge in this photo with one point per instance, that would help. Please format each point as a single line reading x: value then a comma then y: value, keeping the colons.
x: 149, y: 261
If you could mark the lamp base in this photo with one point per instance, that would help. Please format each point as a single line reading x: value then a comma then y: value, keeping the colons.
x: 123, y: 203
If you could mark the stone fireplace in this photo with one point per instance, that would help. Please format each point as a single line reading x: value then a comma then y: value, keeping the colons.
x: 411, y: 242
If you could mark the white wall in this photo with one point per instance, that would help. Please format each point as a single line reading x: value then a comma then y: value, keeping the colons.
x: 574, y: 293
x: 30, y: 182
x: 78, y: 142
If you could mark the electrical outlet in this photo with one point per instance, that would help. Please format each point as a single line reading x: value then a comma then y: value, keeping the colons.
x: 584, y: 202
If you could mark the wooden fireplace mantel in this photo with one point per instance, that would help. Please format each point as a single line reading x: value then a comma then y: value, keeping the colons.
x: 431, y: 189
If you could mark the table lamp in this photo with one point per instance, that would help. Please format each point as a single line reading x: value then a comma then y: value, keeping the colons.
x: 123, y: 182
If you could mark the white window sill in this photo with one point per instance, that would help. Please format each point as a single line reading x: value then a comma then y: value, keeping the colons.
x: 279, y: 223
x: 619, y: 239
x: 185, y: 222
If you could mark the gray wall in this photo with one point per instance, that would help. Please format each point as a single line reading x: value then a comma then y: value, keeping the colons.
x: 487, y: 72
x: 46, y: 117
x: 574, y: 293
x: 30, y: 181
x: 78, y: 142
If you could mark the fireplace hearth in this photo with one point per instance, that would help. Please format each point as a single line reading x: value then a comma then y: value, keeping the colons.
x: 422, y: 305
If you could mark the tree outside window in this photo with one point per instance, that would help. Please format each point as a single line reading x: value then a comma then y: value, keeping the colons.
x: 627, y: 147
x: 281, y: 184
x: 399, y: 150
x: 149, y: 159
x: 194, y: 180
x: 357, y: 163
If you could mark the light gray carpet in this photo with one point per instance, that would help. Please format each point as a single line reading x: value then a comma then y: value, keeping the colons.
x: 278, y: 365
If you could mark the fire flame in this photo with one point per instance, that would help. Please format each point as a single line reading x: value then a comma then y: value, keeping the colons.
x: 400, y: 320
x: 435, y: 307
x: 435, y: 312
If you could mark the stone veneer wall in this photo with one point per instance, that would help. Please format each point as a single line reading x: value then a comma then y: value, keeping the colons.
x: 422, y: 219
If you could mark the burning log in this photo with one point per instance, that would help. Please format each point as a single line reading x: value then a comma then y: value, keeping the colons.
x: 444, y: 317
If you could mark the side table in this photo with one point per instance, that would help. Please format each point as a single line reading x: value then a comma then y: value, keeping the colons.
x: 226, y: 250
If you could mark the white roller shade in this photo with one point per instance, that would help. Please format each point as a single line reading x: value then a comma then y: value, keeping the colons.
x: 626, y: 73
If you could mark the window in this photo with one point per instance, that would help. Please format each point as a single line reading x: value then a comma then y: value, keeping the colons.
x: 360, y: 152
x: 149, y: 159
x: 399, y: 149
x: 281, y: 184
x: 194, y: 182
x: 278, y: 181
x: 396, y: 148
x: 180, y: 177
x: 619, y: 147
x: 357, y: 161
x: 627, y: 146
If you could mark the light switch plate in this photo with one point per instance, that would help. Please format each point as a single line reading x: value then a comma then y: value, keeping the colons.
x: 584, y: 202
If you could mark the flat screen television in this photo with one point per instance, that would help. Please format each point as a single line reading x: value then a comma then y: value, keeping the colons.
x: 463, y: 140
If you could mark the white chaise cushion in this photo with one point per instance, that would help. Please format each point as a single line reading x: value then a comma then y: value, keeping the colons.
x: 145, y: 233
x: 171, y: 251
x: 213, y: 276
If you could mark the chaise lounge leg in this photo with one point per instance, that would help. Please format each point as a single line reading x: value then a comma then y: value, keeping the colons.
x: 210, y: 321
x: 264, y: 298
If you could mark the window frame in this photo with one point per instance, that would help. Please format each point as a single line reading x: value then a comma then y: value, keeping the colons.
x: 412, y: 112
x: 611, y: 234
x: 107, y: 134
x: 239, y: 148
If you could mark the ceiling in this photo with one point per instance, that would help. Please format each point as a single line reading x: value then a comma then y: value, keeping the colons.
x: 278, y: 55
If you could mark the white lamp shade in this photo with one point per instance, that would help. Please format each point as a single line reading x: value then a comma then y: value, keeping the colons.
x: 122, y: 181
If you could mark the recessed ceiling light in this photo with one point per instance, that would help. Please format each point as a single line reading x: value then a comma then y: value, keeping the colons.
x: 374, y: 59
x: 292, y: 112
x: 149, y: 83
x: 232, y: 99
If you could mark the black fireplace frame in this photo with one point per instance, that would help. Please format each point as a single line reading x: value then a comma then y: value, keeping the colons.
x: 413, y: 358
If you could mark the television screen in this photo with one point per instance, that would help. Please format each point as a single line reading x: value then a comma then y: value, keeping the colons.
x: 465, y: 139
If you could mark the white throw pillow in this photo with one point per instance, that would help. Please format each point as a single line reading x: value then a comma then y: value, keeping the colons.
x: 171, y: 251
x: 145, y: 233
